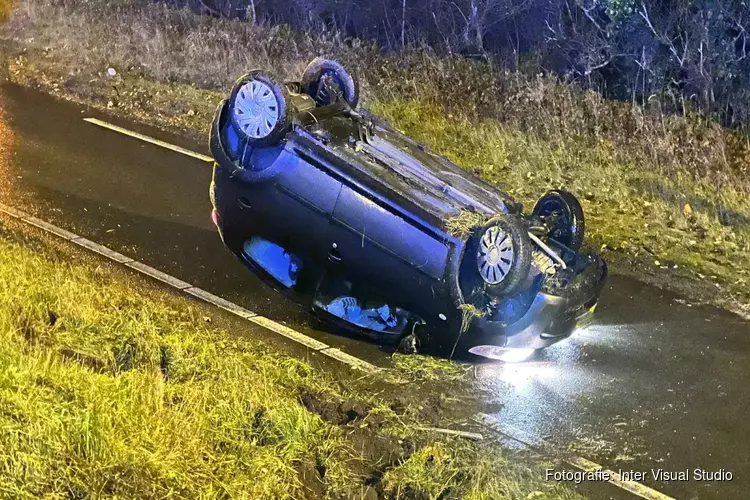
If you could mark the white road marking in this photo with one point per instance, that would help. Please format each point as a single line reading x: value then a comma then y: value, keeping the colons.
x: 158, y: 275
x: 633, y: 487
x: 101, y: 250
x: 637, y: 489
x: 13, y: 212
x: 219, y: 302
x: 350, y: 360
x: 196, y: 292
x: 148, y: 139
x: 62, y: 233
x: 289, y: 333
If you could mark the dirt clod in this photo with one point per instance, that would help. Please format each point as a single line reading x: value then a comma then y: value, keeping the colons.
x: 338, y: 413
x: 432, y: 409
x: 353, y: 410
x: 399, y: 405
x: 386, y: 452
x: 370, y: 494
x: 308, y: 475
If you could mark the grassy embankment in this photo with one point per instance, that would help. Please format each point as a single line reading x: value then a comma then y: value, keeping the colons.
x: 109, y: 387
x: 666, y: 197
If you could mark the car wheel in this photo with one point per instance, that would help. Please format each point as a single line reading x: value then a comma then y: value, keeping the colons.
x: 503, y: 255
x: 259, y: 110
x: 324, y: 78
x: 570, y: 227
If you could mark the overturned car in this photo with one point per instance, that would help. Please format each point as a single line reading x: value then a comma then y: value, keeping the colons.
x: 378, y: 235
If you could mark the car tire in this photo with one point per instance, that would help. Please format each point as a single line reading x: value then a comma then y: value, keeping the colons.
x: 502, y: 259
x: 258, y: 109
x: 319, y: 70
x: 571, y: 227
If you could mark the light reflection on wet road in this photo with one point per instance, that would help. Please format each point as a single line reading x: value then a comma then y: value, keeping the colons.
x: 652, y: 383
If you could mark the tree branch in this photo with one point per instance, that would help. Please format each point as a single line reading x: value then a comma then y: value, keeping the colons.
x: 210, y: 10
x: 663, y: 39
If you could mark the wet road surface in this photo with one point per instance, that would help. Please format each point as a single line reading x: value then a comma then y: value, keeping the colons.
x: 653, y: 384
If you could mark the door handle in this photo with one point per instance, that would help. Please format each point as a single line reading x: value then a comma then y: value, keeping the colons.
x: 334, y: 256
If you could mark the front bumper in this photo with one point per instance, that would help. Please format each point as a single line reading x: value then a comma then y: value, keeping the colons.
x: 549, y: 319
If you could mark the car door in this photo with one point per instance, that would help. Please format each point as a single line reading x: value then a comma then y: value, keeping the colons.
x: 381, y: 252
x: 288, y: 243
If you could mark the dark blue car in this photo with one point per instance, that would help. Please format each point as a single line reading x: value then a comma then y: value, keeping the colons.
x: 377, y: 234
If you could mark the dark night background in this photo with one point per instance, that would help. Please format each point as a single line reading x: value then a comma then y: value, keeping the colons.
x: 690, y: 54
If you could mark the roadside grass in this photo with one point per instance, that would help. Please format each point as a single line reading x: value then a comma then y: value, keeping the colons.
x: 109, y: 389
x: 104, y: 391
x: 419, y: 368
x: 656, y: 188
x: 438, y: 463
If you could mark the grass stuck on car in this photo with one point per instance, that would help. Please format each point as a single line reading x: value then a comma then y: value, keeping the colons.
x: 379, y: 236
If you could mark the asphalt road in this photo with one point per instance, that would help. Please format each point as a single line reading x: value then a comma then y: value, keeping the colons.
x: 654, y: 384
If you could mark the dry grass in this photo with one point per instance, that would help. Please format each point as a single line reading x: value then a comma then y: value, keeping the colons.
x: 438, y: 463
x: 468, y: 313
x: 419, y: 368
x: 465, y: 222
